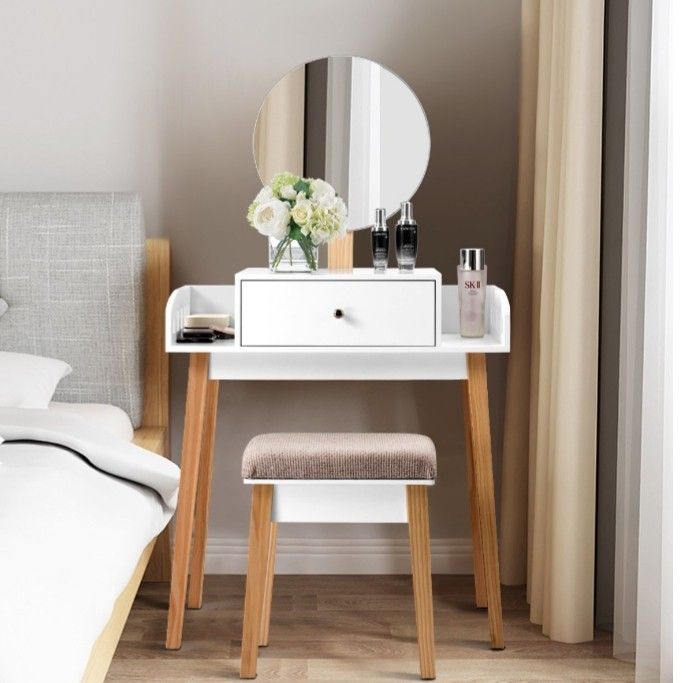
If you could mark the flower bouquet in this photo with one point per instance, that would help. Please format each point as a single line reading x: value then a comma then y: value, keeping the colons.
x: 297, y: 214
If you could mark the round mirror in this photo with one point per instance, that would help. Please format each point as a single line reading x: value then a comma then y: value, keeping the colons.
x: 351, y: 122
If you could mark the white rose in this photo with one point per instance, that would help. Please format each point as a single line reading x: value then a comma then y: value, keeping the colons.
x: 322, y: 193
x: 301, y: 213
x: 272, y: 218
x: 264, y: 195
x: 288, y: 192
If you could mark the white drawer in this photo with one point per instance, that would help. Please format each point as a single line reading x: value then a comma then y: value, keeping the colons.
x: 338, y: 312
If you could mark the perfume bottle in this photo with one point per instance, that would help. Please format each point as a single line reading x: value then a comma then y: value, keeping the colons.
x: 471, y: 281
x: 406, y: 238
x: 380, y: 242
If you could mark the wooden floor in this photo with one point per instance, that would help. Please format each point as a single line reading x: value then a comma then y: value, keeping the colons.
x: 347, y: 628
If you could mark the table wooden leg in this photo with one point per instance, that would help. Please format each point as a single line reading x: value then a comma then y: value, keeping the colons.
x: 482, y: 468
x: 196, y: 399
x: 477, y: 552
x: 202, y: 503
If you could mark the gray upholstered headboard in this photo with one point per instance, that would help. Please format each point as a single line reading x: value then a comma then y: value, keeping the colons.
x: 71, y: 272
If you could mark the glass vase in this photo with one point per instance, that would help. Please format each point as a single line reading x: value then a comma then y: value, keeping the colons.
x: 288, y: 256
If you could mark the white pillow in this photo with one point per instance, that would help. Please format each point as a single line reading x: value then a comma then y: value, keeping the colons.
x: 110, y: 418
x: 28, y: 381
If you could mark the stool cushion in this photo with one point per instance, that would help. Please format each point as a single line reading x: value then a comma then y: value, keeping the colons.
x: 339, y: 456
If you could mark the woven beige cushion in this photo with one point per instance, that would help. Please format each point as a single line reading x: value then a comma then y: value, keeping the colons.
x: 339, y: 456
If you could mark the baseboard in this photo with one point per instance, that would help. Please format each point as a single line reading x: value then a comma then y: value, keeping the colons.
x: 341, y: 556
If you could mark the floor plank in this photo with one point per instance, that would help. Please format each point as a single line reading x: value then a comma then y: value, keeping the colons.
x: 345, y: 628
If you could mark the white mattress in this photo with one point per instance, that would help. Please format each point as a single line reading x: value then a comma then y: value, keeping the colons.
x: 71, y: 535
x: 110, y: 418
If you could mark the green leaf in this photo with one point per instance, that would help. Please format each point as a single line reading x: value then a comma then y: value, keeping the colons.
x: 302, y: 186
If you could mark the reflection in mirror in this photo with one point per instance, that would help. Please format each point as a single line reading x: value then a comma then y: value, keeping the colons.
x: 351, y: 122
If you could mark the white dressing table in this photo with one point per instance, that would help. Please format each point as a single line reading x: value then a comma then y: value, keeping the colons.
x: 346, y: 325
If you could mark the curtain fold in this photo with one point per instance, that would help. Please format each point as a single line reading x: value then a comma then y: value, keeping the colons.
x: 557, y: 285
x: 280, y: 128
x: 515, y: 465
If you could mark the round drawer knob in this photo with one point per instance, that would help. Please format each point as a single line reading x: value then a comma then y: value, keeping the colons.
x: 338, y: 313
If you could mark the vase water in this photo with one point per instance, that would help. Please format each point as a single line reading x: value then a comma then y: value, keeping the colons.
x: 287, y: 255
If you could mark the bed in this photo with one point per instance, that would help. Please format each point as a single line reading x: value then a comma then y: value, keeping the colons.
x: 83, y: 284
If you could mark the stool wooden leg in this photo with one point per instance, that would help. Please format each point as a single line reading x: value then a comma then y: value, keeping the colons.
x: 420, y: 551
x: 477, y: 552
x: 258, y: 556
x: 482, y: 467
x: 269, y: 587
x: 202, y: 503
x: 196, y: 399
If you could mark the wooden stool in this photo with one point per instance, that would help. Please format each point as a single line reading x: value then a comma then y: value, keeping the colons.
x: 350, y: 478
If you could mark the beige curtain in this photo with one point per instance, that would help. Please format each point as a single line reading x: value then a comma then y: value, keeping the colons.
x: 548, y: 491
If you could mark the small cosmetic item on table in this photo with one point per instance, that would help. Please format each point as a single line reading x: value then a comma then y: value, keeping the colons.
x: 196, y: 320
x: 196, y: 335
x: 471, y: 280
x: 406, y: 238
x: 380, y: 242
x: 205, y: 328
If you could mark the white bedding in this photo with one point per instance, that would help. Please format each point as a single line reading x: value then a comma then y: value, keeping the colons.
x: 72, y: 529
x: 110, y: 418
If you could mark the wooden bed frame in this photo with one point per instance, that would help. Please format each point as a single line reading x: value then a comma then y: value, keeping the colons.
x: 155, y: 561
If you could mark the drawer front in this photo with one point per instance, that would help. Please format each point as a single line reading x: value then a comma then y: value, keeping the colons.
x: 338, y: 313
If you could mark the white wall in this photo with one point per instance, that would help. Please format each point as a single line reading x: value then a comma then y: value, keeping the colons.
x: 80, y: 97
x: 161, y: 96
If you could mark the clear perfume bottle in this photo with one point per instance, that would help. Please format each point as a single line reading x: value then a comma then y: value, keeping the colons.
x: 380, y: 242
x: 406, y: 238
x: 471, y: 280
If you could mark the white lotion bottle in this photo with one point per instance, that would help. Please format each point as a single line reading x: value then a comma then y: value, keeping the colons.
x: 471, y: 281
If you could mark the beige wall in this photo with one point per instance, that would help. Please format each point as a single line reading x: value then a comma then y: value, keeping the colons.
x: 162, y: 97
